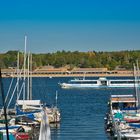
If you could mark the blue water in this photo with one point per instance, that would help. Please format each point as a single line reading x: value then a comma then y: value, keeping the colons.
x: 82, y: 110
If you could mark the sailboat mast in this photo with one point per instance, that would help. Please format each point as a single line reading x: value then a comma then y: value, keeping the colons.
x: 4, y: 105
x: 137, y: 83
x: 17, y: 75
x: 28, y: 86
x: 138, y: 72
x: 24, y: 68
x: 30, y: 76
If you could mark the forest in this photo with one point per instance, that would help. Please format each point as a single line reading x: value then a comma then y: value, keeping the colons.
x: 111, y: 60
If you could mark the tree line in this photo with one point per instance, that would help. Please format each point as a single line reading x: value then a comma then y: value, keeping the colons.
x: 92, y: 59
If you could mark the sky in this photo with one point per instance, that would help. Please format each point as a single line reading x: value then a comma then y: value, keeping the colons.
x: 70, y: 25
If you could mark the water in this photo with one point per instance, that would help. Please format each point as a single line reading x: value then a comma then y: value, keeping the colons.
x: 82, y: 110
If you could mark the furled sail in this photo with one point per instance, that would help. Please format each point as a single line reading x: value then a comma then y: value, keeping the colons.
x: 44, y: 127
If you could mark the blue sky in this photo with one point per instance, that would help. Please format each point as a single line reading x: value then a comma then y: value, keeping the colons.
x: 71, y: 25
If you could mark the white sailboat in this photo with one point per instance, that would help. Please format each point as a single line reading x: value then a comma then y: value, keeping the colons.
x: 27, y: 103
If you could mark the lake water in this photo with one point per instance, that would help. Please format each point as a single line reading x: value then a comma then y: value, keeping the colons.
x: 82, y: 110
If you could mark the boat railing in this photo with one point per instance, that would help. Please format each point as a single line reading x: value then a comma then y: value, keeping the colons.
x: 122, y: 95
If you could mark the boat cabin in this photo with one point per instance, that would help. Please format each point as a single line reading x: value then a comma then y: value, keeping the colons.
x: 103, y: 81
x: 29, y: 104
x: 123, y: 102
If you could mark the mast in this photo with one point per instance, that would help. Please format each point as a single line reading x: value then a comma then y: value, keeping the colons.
x: 28, y: 86
x: 135, y: 84
x: 4, y: 105
x: 17, y: 75
x: 30, y: 76
x: 24, y: 70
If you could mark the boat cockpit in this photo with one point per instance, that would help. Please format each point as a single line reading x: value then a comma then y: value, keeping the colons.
x: 103, y: 81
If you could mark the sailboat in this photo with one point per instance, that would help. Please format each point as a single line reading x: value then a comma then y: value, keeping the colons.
x: 27, y: 104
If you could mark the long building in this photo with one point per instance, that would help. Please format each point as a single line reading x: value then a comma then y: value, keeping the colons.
x: 50, y: 71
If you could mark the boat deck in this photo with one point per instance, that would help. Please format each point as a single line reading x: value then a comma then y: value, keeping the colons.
x: 122, y: 99
x: 118, y: 99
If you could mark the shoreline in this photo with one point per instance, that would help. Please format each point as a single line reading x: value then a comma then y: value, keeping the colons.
x: 72, y: 75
